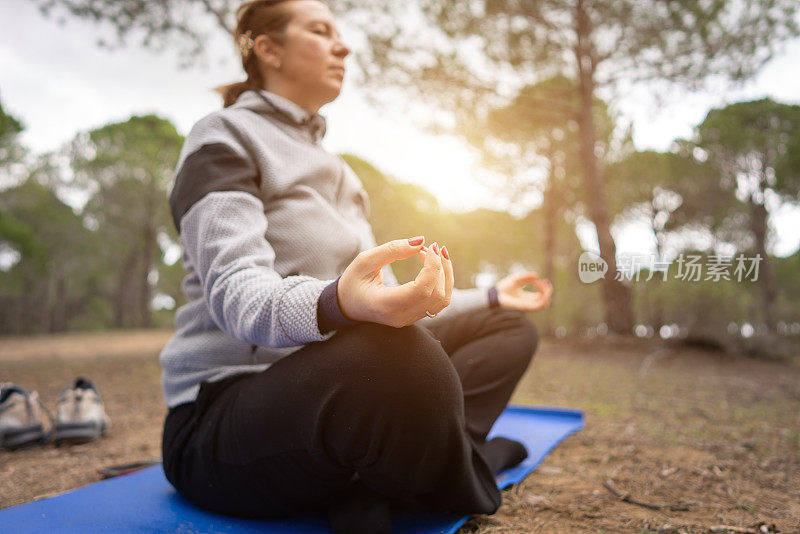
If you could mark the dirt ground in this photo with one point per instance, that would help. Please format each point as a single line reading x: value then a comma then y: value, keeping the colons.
x: 698, y: 439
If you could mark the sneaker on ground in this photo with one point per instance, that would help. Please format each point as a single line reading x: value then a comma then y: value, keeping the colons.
x: 20, y: 417
x: 80, y: 415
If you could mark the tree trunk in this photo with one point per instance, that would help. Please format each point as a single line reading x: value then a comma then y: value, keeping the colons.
x: 657, y: 310
x: 149, y: 241
x: 122, y: 304
x: 45, y: 307
x: 119, y: 301
x: 758, y: 225
x: 616, y: 297
x: 59, y: 320
x: 550, y: 223
x: 148, y: 246
x: 27, y: 302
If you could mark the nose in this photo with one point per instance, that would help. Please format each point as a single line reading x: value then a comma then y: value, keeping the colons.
x: 340, y: 49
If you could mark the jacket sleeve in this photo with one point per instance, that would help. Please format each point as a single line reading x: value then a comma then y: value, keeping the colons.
x: 217, y: 209
x: 223, y: 239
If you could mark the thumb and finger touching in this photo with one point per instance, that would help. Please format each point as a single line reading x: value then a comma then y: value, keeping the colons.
x: 432, y: 288
x: 361, y: 294
x: 375, y: 258
x: 429, y: 291
x: 515, y: 296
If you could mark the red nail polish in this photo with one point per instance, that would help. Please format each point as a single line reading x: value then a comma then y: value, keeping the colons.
x: 435, y: 248
x: 445, y: 253
x: 414, y: 241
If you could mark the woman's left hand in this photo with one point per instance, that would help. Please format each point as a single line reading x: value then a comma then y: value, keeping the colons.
x: 511, y: 295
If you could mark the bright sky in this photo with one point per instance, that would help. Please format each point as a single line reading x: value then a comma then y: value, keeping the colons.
x: 58, y: 82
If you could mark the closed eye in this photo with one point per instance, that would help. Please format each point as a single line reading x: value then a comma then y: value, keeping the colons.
x: 321, y: 27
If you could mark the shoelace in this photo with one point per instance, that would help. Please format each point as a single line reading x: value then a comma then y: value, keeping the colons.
x: 76, y: 406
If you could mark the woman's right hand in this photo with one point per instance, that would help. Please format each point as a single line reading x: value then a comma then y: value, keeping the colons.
x: 363, y: 297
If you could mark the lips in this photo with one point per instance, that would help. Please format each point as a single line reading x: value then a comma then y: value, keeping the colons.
x: 340, y: 70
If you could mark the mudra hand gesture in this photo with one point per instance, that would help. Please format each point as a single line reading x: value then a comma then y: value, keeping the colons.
x: 363, y: 297
x: 511, y: 295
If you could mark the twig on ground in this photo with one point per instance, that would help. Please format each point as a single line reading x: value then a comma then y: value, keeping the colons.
x: 653, y: 357
x: 761, y: 528
x: 625, y: 497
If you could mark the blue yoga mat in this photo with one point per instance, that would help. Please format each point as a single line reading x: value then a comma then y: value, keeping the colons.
x: 145, y: 502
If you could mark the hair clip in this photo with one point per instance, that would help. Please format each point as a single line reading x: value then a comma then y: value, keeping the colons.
x: 245, y: 43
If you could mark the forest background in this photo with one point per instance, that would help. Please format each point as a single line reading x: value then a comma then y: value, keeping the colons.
x: 87, y: 243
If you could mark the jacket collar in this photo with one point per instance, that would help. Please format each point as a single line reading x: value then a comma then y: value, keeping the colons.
x: 284, y: 109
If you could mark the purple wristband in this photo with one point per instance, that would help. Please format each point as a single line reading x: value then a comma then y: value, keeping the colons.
x: 494, y: 301
x: 329, y: 314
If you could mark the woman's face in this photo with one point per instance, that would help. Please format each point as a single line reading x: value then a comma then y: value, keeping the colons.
x: 312, y: 58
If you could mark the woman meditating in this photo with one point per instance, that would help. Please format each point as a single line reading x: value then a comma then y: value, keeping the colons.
x: 302, y: 377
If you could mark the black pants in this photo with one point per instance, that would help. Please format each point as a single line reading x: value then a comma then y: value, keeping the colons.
x: 399, y: 409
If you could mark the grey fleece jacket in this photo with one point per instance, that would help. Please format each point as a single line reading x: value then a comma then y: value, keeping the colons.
x: 267, y: 220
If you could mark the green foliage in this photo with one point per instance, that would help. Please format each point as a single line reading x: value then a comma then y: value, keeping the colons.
x: 564, y: 51
x: 128, y: 167
x: 91, y: 270
x: 11, y: 151
x: 71, y: 277
x: 540, y: 128
x: 755, y: 146
x: 48, y: 286
x: 672, y: 191
x: 10, y: 128
x: 787, y: 282
x: 682, y: 40
x: 23, y: 237
x: 667, y: 186
x: 595, y: 44
x: 180, y: 25
x: 642, y: 176
x: 169, y: 283
x: 691, y: 303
